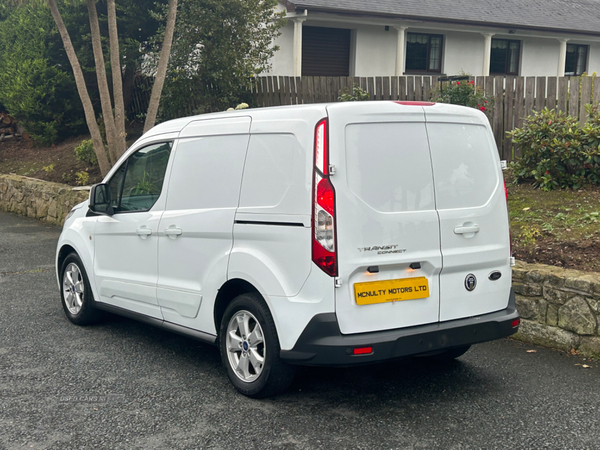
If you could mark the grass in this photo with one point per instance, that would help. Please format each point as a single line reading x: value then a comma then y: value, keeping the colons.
x: 560, y: 227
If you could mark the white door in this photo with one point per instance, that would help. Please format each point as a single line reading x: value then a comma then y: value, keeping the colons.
x: 126, y: 242
x: 471, y: 203
x: 196, y: 230
x: 385, y: 217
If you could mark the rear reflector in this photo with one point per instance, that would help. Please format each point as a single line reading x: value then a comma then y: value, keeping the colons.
x: 516, y: 322
x: 362, y: 350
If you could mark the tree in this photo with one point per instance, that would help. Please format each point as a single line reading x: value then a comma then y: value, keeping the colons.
x: 114, y: 123
x: 219, y: 46
x: 34, y: 85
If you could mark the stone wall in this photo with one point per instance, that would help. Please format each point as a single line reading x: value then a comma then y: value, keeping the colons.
x: 42, y: 200
x: 559, y: 308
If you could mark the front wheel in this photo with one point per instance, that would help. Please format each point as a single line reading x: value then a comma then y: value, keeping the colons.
x: 75, y: 292
x: 250, y: 348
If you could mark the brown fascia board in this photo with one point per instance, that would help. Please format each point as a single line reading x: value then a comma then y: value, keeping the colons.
x: 292, y: 8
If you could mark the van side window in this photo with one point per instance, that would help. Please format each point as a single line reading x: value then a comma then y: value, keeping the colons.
x: 137, y: 184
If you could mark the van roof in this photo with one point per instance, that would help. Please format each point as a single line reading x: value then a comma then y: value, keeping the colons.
x: 176, y: 125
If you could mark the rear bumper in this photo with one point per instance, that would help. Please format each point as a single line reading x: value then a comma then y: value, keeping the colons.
x: 322, y: 344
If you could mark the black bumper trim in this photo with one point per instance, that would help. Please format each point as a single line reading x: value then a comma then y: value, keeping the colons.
x: 322, y: 343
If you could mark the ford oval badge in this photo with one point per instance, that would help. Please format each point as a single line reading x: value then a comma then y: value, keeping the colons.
x: 470, y: 282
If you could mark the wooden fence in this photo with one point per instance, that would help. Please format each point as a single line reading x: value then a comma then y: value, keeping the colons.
x: 514, y: 97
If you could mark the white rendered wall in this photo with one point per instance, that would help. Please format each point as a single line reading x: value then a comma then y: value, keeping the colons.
x: 539, y: 57
x: 283, y: 59
x: 463, y: 53
x: 375, y: 51
x: 593, y: 58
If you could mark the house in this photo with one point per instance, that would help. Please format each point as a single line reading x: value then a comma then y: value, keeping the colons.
x: 438, y: 37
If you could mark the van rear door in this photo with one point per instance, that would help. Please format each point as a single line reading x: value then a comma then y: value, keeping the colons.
x: 471, y: 203
x: 385, y: 217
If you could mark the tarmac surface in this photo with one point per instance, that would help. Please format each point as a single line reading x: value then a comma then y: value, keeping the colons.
x: 126, y: 385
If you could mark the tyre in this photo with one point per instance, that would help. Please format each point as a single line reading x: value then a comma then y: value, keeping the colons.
x: 250, y: 348
x: 75, y: 292
x: 448, y: 355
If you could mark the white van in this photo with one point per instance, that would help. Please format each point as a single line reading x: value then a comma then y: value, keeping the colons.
x: 328, y: 234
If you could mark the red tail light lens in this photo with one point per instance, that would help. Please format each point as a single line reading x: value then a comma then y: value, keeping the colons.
x: 323, y: 221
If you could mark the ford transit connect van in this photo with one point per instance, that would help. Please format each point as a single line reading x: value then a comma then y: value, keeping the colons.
x: 329, y: 234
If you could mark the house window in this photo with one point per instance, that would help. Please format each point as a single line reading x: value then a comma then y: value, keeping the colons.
x: 504, y: 58
x: 325, y: 51
x: 424, y: 52
x: 576, y: 62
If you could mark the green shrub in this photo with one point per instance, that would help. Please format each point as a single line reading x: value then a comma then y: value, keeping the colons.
x: 463, y: 93
x: 356, y: 95
x: 85, y: 152
x: 557, y: 152
x: 36, y: 85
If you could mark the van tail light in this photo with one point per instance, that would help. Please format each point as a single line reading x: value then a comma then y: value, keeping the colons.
x: 323, y: 216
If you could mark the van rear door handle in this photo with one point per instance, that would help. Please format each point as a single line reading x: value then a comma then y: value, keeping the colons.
x: 143, y: 231
x: 467, y: 229
x: 173, y: 232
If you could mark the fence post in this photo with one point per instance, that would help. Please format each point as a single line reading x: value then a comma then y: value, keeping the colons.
x: 498, y: 111
x: 574, y: 97
x: 509, y: 110
x: 386, y: 87
x: 529, y: 95
x: 323, y: 89
x: 563, y: 93
x: 418, y: 88
x: 402, y: 92
x: 540, y: 98
x: 394, y: 90
x: 378, y: 88
x: 410, y: 88
x: 426, y: 88
x: 551, y: 96
x: 586, y: 98
x: 371, y: 87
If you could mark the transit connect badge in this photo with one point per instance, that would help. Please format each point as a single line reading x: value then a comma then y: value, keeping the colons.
x: 470, y: 282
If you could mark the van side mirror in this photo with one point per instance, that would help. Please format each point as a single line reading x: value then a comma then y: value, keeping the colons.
x: 100, y: 200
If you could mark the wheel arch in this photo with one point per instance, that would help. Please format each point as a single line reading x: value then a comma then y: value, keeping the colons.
x: 230, y: 290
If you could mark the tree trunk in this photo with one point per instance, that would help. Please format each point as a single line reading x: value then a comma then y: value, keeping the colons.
x: 161, y: 71
x: 128, y: 84
x: 115, y: 64
x: 107, y: 112
x: 88, y: 108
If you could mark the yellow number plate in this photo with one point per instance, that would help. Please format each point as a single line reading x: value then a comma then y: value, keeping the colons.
x: 391, y: 290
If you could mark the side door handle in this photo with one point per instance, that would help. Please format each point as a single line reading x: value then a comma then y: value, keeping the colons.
x: 173, y: 232
x: 467, y: 229
x: 143, y: 231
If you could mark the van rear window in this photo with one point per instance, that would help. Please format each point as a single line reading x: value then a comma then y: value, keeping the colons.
x: 388, y: 166
x: 464, y: 164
